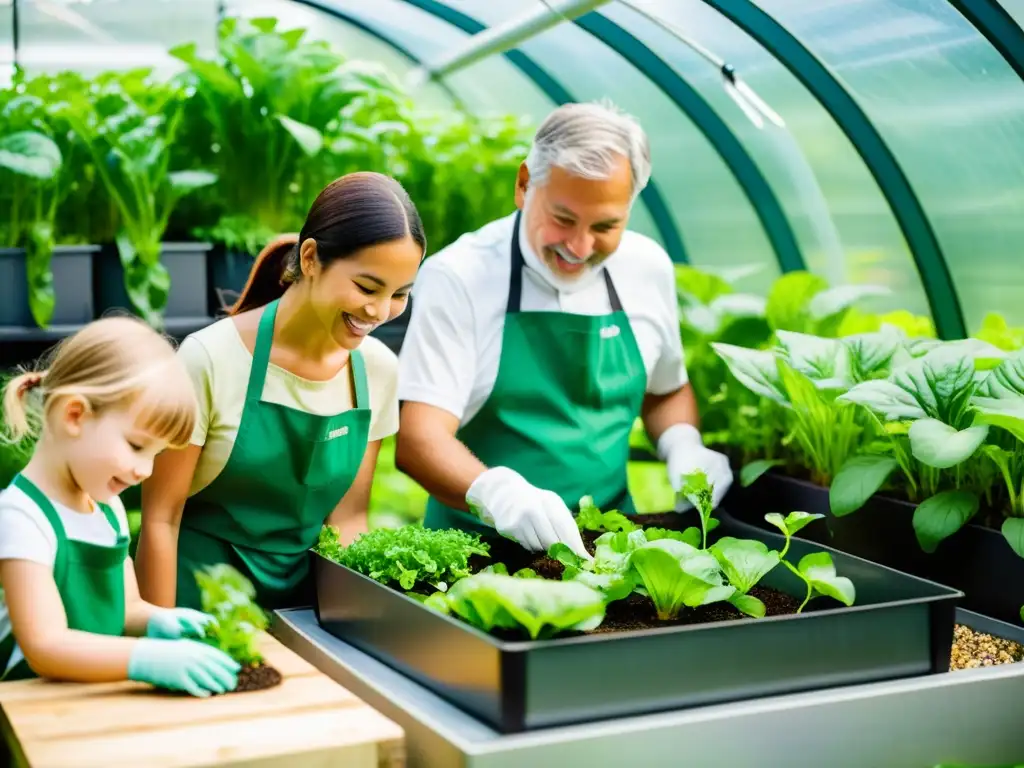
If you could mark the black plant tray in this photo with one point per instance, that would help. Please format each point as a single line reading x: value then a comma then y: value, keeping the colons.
x: 900, y: 626
x: 976, y: 560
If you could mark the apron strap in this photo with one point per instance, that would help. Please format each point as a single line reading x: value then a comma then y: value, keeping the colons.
x: 515, y: 281
x: 359, y: 376
x: 108, y: 512
x: 45, y: 506
x: 261, y: 353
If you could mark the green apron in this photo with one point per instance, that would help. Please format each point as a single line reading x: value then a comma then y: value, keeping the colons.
x: 287, y: 471
x: 89, y: 577
x: 568, y: 390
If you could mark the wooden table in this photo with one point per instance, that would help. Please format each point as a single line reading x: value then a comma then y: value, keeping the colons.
x: 308, y: 721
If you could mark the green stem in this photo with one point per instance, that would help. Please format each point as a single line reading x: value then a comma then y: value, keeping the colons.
x: 807, y: 599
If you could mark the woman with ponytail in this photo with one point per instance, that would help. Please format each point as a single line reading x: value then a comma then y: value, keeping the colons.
x: 294, y: 399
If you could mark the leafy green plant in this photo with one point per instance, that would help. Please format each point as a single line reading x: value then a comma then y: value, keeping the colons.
x: 411, y: 556
x: 677, y: 569
x: 538, y: 607
x: 928, y: 429
x: 590, y: 518
x: 128, y: 124
x: 30, y: 162
x: 816, y: 569
x: 238, y: 621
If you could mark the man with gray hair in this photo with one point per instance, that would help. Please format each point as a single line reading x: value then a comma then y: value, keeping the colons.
x: 536, y: 341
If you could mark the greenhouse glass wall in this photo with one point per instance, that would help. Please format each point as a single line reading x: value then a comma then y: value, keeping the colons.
x: 837, y: 197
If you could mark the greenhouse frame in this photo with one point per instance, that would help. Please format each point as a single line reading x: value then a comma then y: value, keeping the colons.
x: 840, y: 187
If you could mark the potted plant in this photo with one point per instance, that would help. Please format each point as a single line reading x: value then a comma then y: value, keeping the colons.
x: 45, y: 274
x: 127, y: 122
x: 904, y: 442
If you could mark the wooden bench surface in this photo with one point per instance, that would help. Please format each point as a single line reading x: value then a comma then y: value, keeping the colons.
x: 308, y: 721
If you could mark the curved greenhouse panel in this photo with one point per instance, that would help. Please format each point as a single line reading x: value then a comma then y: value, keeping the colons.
x: 952, y: 110
x: 716, y: 221
x: 846, y: 229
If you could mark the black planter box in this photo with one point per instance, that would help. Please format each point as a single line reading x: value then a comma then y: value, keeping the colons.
x: 227, y: 273
x: 71, y: 266
x: 976, y: 560
x: 186, y: 265
x: 900, y: 626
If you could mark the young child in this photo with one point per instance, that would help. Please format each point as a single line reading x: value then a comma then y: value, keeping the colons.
x: 114, y: 397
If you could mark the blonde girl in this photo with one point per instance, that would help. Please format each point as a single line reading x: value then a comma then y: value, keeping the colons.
x: 113, y: 398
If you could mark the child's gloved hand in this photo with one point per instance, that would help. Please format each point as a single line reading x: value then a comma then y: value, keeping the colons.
x: 183, y: 665
x: 172, y: 623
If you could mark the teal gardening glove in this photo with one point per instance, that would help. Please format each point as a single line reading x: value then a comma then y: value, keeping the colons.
x: 183, y: 665
x: 173, y: 623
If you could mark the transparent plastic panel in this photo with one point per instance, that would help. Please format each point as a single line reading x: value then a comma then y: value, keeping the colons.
x: 715, y: 219
x: 89, y: 36
x: 952, y: 110
x: 495, y: 85
x: 342, y: 36
x: 1016, y: 9
x: 6, y: 42
x: 841, y: 218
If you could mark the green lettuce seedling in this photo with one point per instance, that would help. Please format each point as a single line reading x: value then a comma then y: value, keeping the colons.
x: 745, y: 562
x: 590, y: 518
x: 816, y: 570
x: 229, y: 597
x: 539, y: 607
x: 411, y: 556
x: 676, y: 575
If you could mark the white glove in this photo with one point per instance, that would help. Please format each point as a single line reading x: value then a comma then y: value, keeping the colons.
x: 682, y: 449
x: 533, y: 517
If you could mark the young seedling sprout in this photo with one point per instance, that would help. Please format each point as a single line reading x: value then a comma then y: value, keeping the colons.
x: 816, y: 570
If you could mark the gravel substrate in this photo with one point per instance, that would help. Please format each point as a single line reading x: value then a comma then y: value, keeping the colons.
x: 976, y: 649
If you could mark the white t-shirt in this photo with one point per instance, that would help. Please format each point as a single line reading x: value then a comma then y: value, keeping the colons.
x: 26, y: 534
x: 452, y: 347
x: 219, y: 363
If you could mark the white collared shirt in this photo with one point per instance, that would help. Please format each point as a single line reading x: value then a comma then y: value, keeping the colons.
x: 450, y: 354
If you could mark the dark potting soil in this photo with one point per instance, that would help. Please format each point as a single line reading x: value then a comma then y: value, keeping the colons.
x: 635, y: 612
x: 257, y: 678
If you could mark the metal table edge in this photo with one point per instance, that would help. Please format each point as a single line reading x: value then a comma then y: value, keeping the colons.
x: 475, y: 739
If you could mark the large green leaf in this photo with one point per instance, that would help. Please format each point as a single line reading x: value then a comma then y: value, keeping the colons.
x: 942, y: 515
x: 887, y: 399
x: 1007, y: 414
x: 1013, y: 531
x: 184, y: 182
x: 30, y: 153
x: 789, y: 300
x: 1006, y: 380
x: 857, y: 481
x: 750, y: 472
x: 756, y: 369
x: 820, y: 571
x: 744, y: 561
x: 832, y: 301
x: 942, y: 446
x: 823, y: 361
x: 308, y: 138
x: 871, y: 354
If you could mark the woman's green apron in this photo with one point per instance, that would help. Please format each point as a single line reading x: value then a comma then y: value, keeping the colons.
x: 89, y: 578
x: 287, y: 472
x: 568, y: 390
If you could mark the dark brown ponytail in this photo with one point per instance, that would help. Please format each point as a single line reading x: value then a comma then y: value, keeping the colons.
x: 270, y: 274
x: 357, y: 211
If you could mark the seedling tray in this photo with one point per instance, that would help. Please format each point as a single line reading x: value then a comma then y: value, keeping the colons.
x: 900, y: 626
